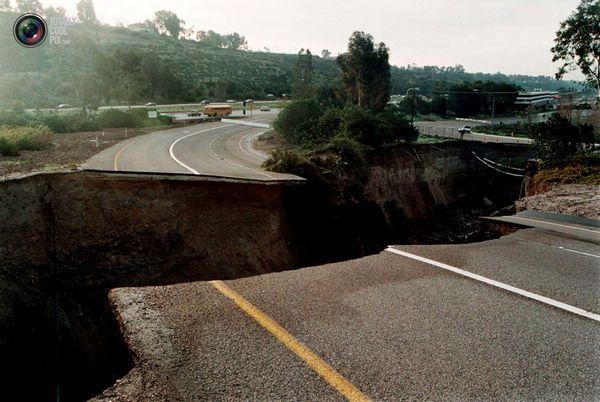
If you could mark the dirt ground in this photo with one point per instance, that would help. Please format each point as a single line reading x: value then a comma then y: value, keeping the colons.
x: 269, y: 142
x: 569, y: 199
x: 68, y: 151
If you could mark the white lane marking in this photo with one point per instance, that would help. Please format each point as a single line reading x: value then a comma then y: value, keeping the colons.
x: 555, y: 224
x: 575, y: 251
x: 218, y: 157
x: 563, y: 248
x: 521, y: 292
x: 183, y: 138
x: 251, y: 151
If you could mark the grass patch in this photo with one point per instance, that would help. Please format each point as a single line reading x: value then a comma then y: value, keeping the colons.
x: 16, y: 139
x: 522, y: 129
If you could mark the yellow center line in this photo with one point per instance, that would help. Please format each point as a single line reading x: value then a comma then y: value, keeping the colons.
x: 327, y: 372
x: 118, y: 155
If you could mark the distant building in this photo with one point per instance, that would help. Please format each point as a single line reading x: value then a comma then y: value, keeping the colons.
x: 537, y: 99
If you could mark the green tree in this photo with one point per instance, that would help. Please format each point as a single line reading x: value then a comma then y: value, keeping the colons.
x: 210, y: 39
x: 86, y: 12
x: 302, y: 84
x: 557, y: 139
x: 325, y: 54
x: 393, y: 126
x: 366, y: 72
x: 235, y: 41
x: 124, y: 75
x: 298, y: 120
x: 469, y: 99
x: 29, y: 6
x: 439, y: 105
x: 577, y: 43
x: 167, y: 22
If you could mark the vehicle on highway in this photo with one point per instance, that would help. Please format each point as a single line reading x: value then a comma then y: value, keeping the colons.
x: 464, y: 130
x: 217, y: 110
x: 265, y: 109
x: 150, y: 104
x: 64, y: 106
x: 231, y: 101
x: 205, y: 102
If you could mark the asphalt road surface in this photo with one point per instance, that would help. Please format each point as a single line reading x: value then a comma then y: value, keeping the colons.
x: 212, y: 149
x: 385, y: 327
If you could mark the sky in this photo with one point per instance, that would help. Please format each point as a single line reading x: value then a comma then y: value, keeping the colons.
x: 509, y: 36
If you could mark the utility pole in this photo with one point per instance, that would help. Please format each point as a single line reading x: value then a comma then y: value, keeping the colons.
x: 412, y: 114
x: 493, y: 110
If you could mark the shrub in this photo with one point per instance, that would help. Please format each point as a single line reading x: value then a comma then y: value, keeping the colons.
x: 351, y: 152
x: 68, y: 123
x: 579, y: 170
x: 8, y: 148
x: 9, y: 118
x: 328, y: 126
x: 15, y: 139
x: 289, y: 161
x: 113, y: 118
x: 362, y: 125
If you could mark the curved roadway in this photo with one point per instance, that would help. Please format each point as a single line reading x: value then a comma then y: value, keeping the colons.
x: 208, y: 149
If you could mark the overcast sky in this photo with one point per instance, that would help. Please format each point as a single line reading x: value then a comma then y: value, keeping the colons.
x: 510, y: 36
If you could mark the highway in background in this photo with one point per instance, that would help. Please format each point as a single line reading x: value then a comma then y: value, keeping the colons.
x: 212, y: 149
x: 450, y: 129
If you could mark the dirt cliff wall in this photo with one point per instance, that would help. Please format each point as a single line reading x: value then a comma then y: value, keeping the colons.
x: 407, y: 194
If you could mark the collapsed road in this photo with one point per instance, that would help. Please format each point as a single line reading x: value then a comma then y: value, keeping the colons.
x: 383, y: 326
x: 518, y: 320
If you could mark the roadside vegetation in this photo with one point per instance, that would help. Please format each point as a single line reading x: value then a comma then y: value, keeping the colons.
x: 578, y: 170
x: 71, y: 122
x: 16, y: 139
x: 568, y: 152
x: 331, y: 130
x: 22, y: 131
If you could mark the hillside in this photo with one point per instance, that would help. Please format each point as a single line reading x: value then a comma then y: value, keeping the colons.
x: 176, y: 70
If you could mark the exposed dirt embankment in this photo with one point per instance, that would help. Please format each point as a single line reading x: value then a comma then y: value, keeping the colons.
x: 67, y: 239
x: 406, y: 194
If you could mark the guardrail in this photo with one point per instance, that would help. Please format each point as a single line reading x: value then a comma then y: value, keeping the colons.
x: 246, y: 123
x: 487, y: 122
